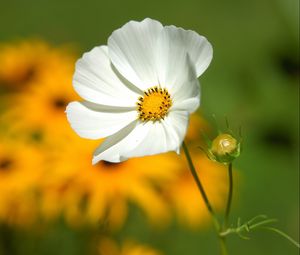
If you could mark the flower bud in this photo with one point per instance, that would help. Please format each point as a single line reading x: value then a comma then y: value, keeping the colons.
x: 225, y: 148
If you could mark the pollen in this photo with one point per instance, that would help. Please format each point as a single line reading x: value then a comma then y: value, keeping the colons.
x: 154, y: 105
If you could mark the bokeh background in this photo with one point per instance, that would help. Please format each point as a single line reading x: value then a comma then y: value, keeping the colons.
x: 52, y: 201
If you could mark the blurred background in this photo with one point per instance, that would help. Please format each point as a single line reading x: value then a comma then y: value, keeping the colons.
x: 52, y: 201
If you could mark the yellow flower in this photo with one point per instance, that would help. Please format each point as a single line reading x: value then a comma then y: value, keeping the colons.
x: 26, y: 62
x: 185, y: 197
x: 41, y: 107
x: 109, y: 247
x: 20, y: 171
x: 20, y: 62
x: 94, y: 193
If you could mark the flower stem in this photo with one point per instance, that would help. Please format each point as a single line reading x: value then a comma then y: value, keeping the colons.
x: 197, y: 180
x: 205, y: 199
x: 229, y: 199
x: 223, y: 246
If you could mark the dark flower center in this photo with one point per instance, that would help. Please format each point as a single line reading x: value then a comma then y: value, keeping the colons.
x: 5, y: 164
x: 29, y: 75
x: 60, y: 103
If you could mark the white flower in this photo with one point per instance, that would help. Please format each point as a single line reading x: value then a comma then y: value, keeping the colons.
x: 139, y: 90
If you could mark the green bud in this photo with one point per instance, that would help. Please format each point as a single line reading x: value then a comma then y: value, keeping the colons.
x: 224, y: 148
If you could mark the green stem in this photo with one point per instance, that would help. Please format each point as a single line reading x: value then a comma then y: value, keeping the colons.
x: 205, y: 199
x: 223, y: 246
x: 229, y: 199
x: 283, y: 235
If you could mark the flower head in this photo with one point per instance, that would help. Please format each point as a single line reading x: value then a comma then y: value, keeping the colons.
x: 139, y: 90
x: 102, y: 192
x: 43, y: 103
x: 26, y: 63
x: 21, y: 168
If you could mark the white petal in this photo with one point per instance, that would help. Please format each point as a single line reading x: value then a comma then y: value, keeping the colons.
x: 176, y: 124
x: 177, y: 73
x: 186, y: 85
x: 158, y: 140
x: 190, y: 105
x: 141, y: 139
x: 197, y: 46
x: 176, y: 69
x: 114, y: 146
x: 133, y: 49
x: 95, y: 80
x: 96, y: 121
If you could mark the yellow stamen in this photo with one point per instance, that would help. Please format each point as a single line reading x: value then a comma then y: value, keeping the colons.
x: 154, y: 104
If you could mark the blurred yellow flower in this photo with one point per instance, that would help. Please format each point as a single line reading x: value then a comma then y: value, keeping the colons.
x: 20, y: 63
x: 110, y: 247
x: 184, y: 195
x: 20, y: 171
x: 41, y: 76
x: 41, y: 107
x: 25, y: 62
x: 95, y: 193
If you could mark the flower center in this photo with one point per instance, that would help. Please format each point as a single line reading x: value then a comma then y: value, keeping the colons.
x: 5, y: 164
x: 154, y: 104
x: 59, y: 103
